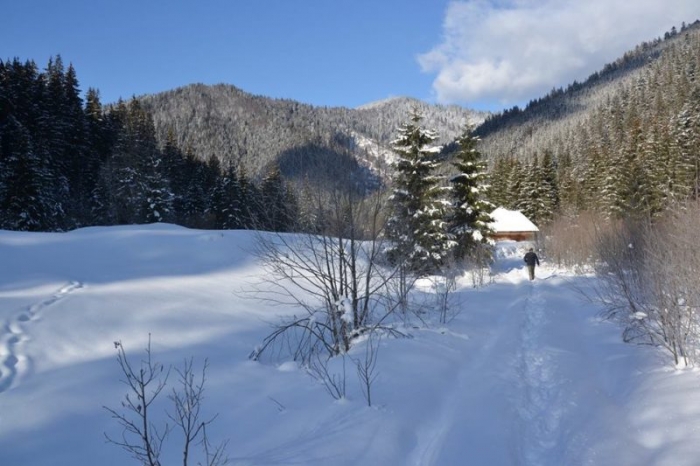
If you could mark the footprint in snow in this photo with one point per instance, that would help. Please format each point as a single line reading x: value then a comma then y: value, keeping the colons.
x: 14, y: 335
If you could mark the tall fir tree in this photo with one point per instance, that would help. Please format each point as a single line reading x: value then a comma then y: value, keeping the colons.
x: 250, y: 200
x: 277, y: 212
x: 538, y: 195
x: 226, y: 201
x: 419, y: 204
x: 193, y: 203
x: 81, y: 172
x: 470, y: 218
x: 157, y: 194
x: 500, y: 174
x: 27, y: 201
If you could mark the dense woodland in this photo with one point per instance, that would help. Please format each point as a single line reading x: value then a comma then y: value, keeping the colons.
x: 624, y: 142
x: 67, y: 163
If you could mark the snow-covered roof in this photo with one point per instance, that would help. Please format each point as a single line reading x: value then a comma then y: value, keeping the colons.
x: 511, y: 220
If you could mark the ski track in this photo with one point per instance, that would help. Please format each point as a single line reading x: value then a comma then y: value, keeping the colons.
x: 13, y: 362
x: 540, y: 408
x: 432, y: 437
x: 538, y: 402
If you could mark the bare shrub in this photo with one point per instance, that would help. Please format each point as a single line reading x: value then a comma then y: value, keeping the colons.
x: 672, y: 276
x: 141, y: 436
x: 444, y: 287
x: 334, y: 275
x: 187, y: 415
x: 620, y: 249
x: 367, y: 366
x: 649, y: 281
x: 570, y: 240
x: 478, y: 264
x: 333, y: 382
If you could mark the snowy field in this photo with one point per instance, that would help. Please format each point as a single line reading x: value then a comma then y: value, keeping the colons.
x: 524, y: 375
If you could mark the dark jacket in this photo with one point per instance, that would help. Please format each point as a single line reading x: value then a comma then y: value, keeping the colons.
x: 531, y: 259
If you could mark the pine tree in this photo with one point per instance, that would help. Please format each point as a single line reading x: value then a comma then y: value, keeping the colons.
x: 96, y: 152
x: 81, y: 173
x: 226, y: 201
x: 516, y: 186
x: 157, y: 195
x: 250, y: 201
x: 470, y: 219
x: 500, y: 174
x: 53, y: 139
x: 529, y: 201
x: 686, y: 141
x: 539, y: 192
x: 194, y: 200
x: 274, y: 196
x: 27, y: 200
x: 417, y: 223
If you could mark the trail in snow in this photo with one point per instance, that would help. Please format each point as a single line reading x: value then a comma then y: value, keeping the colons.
x: 508, y: 402
x: 14, y: 334
x: 540, y: 407
x: 436, y: 436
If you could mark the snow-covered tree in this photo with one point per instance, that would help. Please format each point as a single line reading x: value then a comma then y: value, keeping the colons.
x: 470, y: 219
x: 158, y: 196
x: 27, y: 194
x: 538, y: 196
x: 417, y: 223
x: 226, y: 201
x: 277, y: 212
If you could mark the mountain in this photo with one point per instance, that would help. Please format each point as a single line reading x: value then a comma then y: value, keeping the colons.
x: 255, y: 132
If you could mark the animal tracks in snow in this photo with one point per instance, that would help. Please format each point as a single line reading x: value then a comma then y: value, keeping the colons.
x: 14, y: 334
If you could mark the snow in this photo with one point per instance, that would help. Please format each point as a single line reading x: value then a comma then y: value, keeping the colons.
x: 510, y: 220
x: 525, y: 374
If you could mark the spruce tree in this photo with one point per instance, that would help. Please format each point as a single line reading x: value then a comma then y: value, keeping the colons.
x: 500, y: 174
x: 470, y: 219
x: 27, y: 201
x: 528, y: 202
x: 226, y: 201
x: 157, y: 195
x: 417, y: 223
x: 276, y: 212
x: 538, y: 194
x: 193, y: 201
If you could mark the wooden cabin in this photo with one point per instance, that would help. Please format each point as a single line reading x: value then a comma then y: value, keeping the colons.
x: 512, y: 225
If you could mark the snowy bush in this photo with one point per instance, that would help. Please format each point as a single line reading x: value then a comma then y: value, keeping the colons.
x: 650, y: 282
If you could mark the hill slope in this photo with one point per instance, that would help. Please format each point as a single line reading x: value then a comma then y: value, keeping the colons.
x: 525, y: 374
x: 621, y: 144
x: 254, y: 131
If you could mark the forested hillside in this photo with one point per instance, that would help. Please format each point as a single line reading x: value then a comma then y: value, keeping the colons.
x: 254, y: 132
x: 624, y: 142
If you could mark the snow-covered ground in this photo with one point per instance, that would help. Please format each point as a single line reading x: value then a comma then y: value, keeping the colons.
x: 524, y: 375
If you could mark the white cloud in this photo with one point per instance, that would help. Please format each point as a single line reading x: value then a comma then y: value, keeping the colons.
x: 511, y: 51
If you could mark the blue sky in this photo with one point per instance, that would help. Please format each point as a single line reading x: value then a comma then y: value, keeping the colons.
x: 478, y: 53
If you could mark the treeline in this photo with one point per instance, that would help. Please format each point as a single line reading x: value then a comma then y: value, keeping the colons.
x: 634, y: 152
x: 67, y: 163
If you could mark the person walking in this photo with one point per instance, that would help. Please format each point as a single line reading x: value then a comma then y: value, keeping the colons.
x: 531, y: 260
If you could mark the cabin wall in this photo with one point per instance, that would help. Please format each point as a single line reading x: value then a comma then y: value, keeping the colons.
x: 515, y: 235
